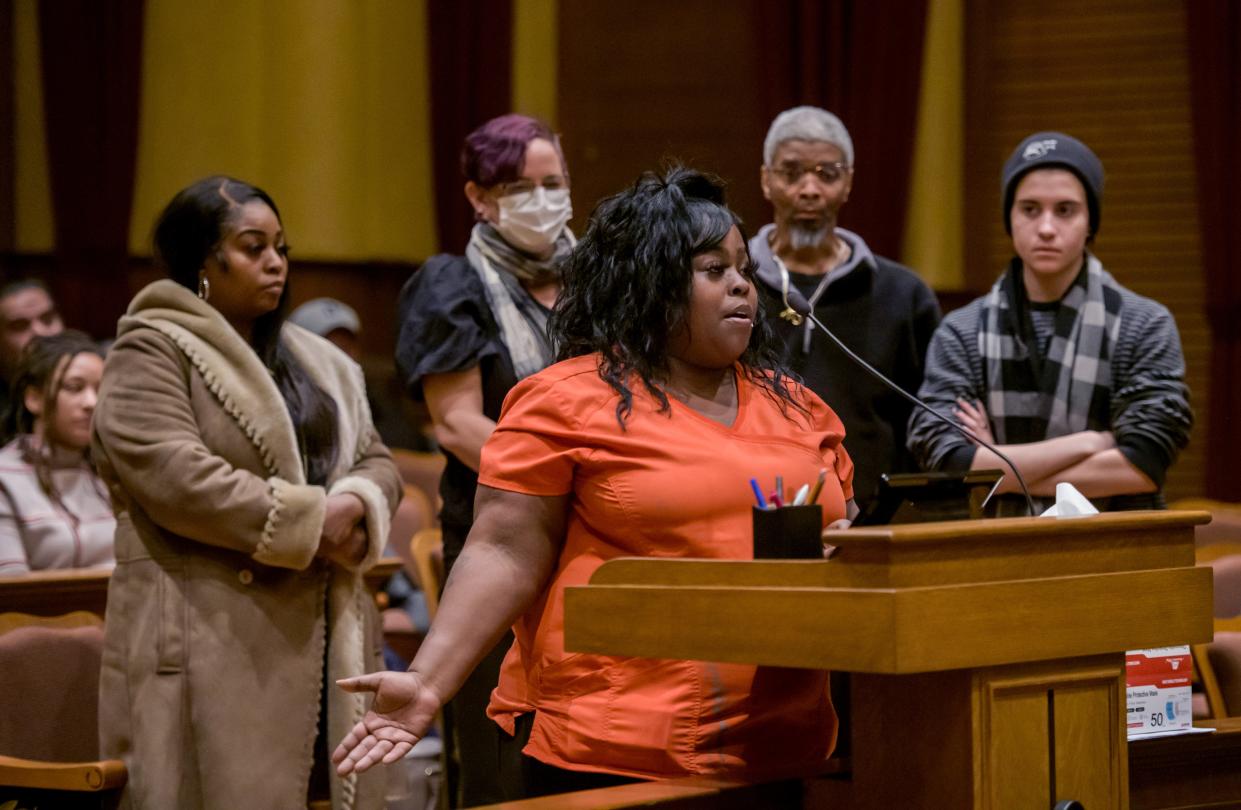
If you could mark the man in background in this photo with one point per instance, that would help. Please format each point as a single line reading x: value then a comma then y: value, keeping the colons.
x: 333, y: 320
x: 880, y: 309
x: 337, y: 322
x: 26, y: 310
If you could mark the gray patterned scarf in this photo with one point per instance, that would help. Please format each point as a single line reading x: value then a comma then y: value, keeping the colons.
x: 522, y: 321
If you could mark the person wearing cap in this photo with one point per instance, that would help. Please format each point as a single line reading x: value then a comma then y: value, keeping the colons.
x: 338, y: 323
x: 333, y: 320
x: 880, y: 309
x: 1074, y: 377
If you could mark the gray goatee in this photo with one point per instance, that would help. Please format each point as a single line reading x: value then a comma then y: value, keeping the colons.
x: 802, y: 237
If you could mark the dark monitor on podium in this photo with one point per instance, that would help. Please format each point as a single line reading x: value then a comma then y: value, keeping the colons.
x: 929, y: 497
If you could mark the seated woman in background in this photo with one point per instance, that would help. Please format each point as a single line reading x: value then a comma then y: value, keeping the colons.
x: 640, y: 442
x: 54, y: 510
x: 469, y: 328
x: 251, y: 492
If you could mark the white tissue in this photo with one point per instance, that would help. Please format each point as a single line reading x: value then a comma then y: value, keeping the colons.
x: 1070, y: 503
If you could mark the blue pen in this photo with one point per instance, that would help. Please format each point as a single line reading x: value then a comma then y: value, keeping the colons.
x: 758, y: 494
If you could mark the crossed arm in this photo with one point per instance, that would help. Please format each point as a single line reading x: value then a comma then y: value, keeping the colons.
x: 1089, y: 460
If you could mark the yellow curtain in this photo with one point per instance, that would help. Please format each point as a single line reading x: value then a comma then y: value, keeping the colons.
x: 535, y: 50
x: 34, y: 227
x: 934, y: 224
x: 324, y: 104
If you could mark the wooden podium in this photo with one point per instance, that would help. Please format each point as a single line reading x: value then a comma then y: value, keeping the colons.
x: 988, y: 655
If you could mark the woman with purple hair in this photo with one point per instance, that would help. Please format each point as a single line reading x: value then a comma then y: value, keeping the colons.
x: 470, y: 327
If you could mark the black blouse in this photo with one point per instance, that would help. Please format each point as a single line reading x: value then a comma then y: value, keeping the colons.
x: 446, y: 325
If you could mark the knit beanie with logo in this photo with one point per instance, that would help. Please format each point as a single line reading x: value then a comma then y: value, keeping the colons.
x: 1048, y: 150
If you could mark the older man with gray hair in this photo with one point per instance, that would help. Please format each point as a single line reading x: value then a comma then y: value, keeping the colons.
x: 880, y: 309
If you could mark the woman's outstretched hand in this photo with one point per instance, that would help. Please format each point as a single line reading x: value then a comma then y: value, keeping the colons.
x: 403, y: 710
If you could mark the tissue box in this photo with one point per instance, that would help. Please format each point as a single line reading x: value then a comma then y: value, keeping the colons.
x: 1158, y: 690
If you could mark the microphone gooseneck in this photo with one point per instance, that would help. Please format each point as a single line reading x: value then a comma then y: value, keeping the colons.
x: 797, y: 308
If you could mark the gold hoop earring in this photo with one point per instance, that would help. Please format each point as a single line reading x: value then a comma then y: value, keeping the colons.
x: 204, y: 287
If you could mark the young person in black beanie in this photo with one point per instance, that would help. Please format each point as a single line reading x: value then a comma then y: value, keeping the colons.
x: 1073, y: 376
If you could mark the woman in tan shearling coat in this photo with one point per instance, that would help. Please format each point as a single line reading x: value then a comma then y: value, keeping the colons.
x: 251, y: 491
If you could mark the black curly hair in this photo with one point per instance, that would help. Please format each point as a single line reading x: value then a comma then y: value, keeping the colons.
x: 626, y: 286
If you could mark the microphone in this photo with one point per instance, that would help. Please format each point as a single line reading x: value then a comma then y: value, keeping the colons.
x: 797, y: 308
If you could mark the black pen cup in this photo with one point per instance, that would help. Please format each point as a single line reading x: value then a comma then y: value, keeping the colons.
x: 788, y: 533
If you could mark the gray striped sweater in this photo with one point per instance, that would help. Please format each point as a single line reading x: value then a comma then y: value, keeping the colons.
x: 1150, y: 412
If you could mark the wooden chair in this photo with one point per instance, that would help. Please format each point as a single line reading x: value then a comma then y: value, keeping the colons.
x: 423, y: 470
x: 56, y: 591
x: 49, y: 742
x: 1226, y: 572
x: 78, y: 618
x: 427, y: 549
x: 1218, y: 664
x: 1223, y: 530
x: 412, y: 516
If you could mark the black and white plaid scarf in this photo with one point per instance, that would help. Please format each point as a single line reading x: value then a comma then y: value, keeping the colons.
x: 1031, y: 397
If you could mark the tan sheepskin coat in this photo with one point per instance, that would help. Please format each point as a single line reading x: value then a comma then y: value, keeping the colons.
x: 221, y: 621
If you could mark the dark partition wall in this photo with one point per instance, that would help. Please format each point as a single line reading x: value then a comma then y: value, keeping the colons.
x: 471, y: 43
x: 1114, y: 73
x: 91, y: 64
x: 700, y: 80
x: 1215, y: 70
x: 8, y: 144
x: 645, y: 81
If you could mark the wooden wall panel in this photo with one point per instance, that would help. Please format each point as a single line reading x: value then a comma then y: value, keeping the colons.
x: 371, y: 288
x: 647, y: 80
x: 1113, y: 73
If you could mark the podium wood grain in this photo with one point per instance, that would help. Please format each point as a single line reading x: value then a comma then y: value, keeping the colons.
x: 988, y: 655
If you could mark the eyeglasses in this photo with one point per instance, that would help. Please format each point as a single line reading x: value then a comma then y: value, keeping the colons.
x: 828, y: 173
x: 524, y: 186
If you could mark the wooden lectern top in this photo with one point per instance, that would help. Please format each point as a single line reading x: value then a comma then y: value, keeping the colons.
x: 913, y: 598
x: 952, y: 551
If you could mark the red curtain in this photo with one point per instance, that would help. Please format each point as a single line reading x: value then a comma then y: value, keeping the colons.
x: 8, y: 136
x: 1214, y: 47
x: 91, y: 53
x: 471, y: 43
x: 861, y: 59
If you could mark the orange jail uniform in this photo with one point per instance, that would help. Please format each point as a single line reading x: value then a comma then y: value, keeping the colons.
x: 671, y: 484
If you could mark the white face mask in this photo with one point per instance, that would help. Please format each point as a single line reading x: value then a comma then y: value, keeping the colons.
x: 531, y: 220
